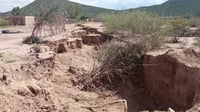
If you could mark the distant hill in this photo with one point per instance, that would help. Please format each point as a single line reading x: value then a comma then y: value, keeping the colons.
x: 169, y: 8
x: 175, y: 8
x: 35, y: 7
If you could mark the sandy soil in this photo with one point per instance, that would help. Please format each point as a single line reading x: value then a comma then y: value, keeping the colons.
x: 27, y: 91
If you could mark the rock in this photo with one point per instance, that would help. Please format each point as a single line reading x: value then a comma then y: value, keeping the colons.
x: 79, y: 43
x: 72, y: 43
x: 53, y: 46
x: 62, y: 46
x: 72, y: 69
x: 46, y: 60
x: 23, y: 91
x: 4, y: 78
x: 195, y: 108
x: 78, y: 33
x: 34, y: 89
x: 170, y: 110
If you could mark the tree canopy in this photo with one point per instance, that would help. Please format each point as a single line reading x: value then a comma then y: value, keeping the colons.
x: 16, y: 11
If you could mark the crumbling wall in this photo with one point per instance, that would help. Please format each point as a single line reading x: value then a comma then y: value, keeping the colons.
x: 91, y: 35
x: 78, y: 33
x: 21, y: 20
x: 63, y: 45
x: 92, y: 39
x: 29, y: 20
x: 16, y: 20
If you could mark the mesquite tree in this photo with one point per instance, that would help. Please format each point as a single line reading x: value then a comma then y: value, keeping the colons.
x: 51, y: 21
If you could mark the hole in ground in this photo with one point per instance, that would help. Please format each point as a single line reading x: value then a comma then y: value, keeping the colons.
x: 138, y: 98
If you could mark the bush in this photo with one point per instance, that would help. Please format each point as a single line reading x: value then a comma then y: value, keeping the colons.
x: 3, y: 22
x: 115, y: 62
x: 31, y: 40
x: 176, y: 28
x: 133, y: 22
x: 83, y: 18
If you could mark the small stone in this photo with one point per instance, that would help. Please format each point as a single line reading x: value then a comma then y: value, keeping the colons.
x: 170, y: 110
x: 72, y: 69
x: 4, y: 78
x: 34, y: 90
x: 23, y: 91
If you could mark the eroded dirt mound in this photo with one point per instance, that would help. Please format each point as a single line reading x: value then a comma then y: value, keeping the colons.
x: 45, y: 85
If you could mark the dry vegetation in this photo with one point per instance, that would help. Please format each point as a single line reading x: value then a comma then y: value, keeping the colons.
x: 114, y: 64
x: 50, y: 21
x: 120, y: 58
x: 137, y: 33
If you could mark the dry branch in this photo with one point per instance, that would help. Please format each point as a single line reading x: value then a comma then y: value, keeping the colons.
x: 110, y: 103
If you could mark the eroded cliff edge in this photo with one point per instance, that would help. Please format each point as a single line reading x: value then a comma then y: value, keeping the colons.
x: 173, y: 77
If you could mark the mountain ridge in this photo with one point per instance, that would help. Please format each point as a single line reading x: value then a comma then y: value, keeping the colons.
x: 175, y: 8
x: 37, y: 6
x: 168, y: 8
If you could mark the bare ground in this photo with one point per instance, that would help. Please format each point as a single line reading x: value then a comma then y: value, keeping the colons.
x: 31, y: 92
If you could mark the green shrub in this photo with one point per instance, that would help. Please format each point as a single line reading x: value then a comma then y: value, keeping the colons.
x: 147, y: 25
x: 175, y: 28
x: 83, y: 18
x: 31, y: 40
x: 133, y: 22
x: 3, y: 22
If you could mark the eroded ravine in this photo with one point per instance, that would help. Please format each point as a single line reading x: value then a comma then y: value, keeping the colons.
x: 172, y: 77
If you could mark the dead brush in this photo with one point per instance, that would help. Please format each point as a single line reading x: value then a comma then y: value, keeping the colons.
x: 114, y: 63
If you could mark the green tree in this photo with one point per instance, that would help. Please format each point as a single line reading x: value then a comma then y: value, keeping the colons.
x: 16, y: 11
x: 73, y: 10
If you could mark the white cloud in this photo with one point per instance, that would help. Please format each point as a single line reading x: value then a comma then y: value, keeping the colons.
x: 6, y: 5
x: 120, y: 4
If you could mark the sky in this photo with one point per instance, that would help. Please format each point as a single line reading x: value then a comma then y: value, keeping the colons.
x: 6, y: 5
